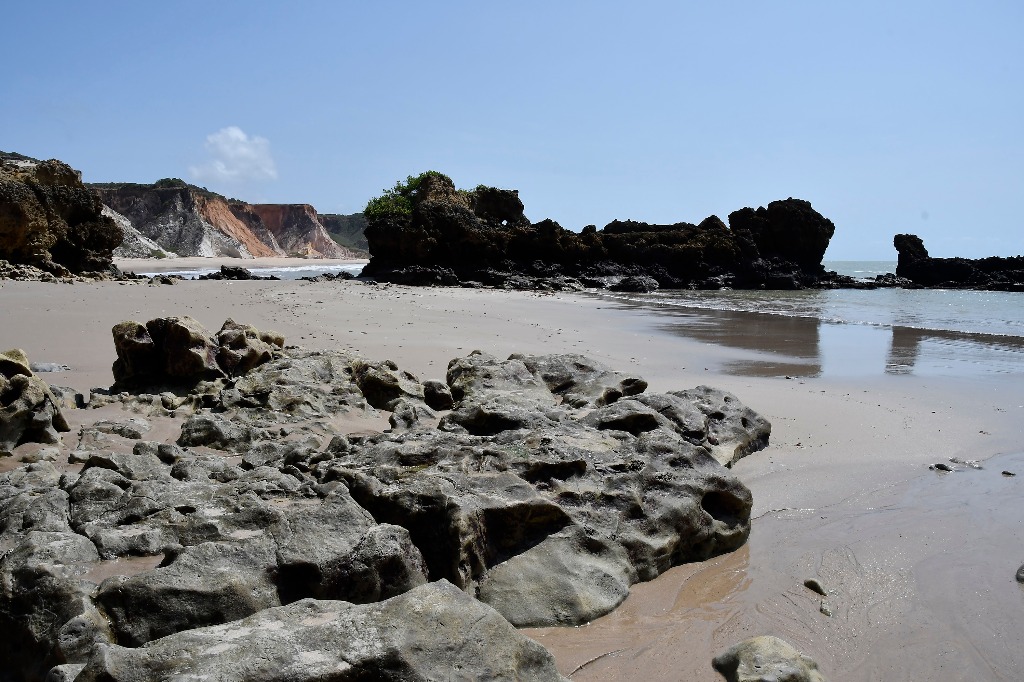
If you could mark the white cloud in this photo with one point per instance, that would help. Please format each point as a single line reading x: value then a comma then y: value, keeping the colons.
x: 235, y: 157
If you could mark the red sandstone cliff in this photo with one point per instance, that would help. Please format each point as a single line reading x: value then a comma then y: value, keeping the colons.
x: 192, y: 221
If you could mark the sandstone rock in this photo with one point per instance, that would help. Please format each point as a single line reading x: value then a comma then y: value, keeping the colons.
x: 433, y: 632
x: 29, y: 412
x: 383, y: 384
x: 766, y: 659
x: 180, y: 351
x: 581, y: 381
x: 733, y: 430
x: 437, y: 395
x: 242, y: 347
x: 206, y: 584
x: 48, y: 218
x: 216, y: 432
x: 519, y: 486
x: 39, y: 593
x: 335, y: 550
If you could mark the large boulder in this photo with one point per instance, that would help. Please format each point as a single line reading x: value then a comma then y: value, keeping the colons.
x: 48, y: 218
x: 29, y: 412
x: 547, y: 508
x: 433, y: 632
x: 181, y: 351
x: 790, y: 230
x: 766, y: 659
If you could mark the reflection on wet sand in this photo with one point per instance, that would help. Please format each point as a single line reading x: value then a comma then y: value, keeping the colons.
x: 916, y: 350
x: 770, y: 345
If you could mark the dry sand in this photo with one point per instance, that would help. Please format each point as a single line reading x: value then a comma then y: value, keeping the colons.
x: 919, y: 566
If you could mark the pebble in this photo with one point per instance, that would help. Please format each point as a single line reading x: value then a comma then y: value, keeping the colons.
x: 941, y: 466
x: 1009, y: 473
x: 825, y: 608
x: 1020, y: 574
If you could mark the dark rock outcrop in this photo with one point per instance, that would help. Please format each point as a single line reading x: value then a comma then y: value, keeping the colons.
x: 49, y: 219
x: 915, y: 265
x: 451, y: 236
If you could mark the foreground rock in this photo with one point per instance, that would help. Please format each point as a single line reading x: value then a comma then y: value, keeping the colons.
x: 429, y: 233
x: 29, y: 412
x: 550, y: 485
x: 999, y: 274
x: 180, y: 351
x: 50, y: 220
x: 766, y: 659
x: 433, y: 632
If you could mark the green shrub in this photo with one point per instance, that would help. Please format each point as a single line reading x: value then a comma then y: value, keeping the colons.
x: 398, y: 201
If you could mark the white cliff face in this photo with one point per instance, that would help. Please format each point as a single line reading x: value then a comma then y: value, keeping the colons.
x: 135, y: 244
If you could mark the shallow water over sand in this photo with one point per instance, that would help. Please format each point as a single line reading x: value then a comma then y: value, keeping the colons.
x: 849, y: 333
x: 920, y: 583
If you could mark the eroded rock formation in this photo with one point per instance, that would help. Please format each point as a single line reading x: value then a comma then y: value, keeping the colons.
x: 192, y: 221
x: 546, y: 487
x: 29, y: 412
x: 1000, y: 274
x: 452, y: 236
x: 50, y: 220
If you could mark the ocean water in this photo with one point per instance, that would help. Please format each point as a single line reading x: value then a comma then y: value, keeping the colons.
x: 290, y: 272
x: 850, y: 332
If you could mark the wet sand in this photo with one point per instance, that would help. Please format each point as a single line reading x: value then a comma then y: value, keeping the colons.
x: 919, y: 565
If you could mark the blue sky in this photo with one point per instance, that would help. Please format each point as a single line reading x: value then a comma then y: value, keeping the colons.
x: 888, y: 116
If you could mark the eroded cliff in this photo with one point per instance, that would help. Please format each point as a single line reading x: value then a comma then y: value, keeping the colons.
x: 192, y: 221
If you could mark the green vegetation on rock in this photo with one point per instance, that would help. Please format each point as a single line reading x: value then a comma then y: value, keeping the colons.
x: 398, y: 201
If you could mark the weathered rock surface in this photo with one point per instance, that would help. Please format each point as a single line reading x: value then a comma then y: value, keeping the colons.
x: 552, y: 485
x: 433, y: 632
x: 192, y: 221
x: 135, y: 244
x: 914, y: 264
x: 49, y: 219
x: 766, y: 659
x: 483, y: 236
x: 179, y: 350
x: 29, y: 412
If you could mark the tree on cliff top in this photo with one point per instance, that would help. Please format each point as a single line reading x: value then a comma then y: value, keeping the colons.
x: 399, y: 200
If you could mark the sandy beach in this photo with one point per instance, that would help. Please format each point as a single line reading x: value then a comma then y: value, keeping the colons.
x: 918, y: 565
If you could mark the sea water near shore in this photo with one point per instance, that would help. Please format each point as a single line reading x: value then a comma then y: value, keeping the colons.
x: 812, y: 333
x: 850, y: 332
